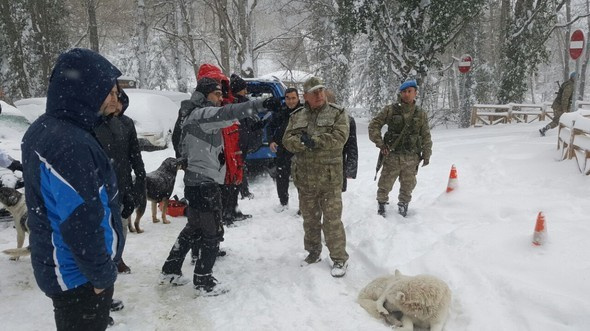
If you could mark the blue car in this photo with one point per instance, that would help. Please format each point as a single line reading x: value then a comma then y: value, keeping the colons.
x: 263, y: 157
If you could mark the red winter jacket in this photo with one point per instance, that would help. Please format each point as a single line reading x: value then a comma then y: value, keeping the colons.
x: 234, y: 163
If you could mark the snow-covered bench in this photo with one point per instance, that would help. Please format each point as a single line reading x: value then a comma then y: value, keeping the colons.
x: 573, y: 139
x: 526, y: 113
x: 490, y: 114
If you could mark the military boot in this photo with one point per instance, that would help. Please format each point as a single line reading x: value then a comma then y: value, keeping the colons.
x: 381, y: 210
x: 543, y: 130
x: 402, y: 208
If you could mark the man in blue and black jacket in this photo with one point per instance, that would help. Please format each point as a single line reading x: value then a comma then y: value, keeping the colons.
x: 71, y: 193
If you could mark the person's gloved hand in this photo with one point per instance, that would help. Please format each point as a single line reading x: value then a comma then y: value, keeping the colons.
x: 272, y: 104
x: 15, y: 165
x: 183, y: 162
x: 425, y: 162
x: 307, y: 141
x: 127, y: 206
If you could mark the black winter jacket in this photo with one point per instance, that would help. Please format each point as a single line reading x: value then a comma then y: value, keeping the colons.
x: 278, y: 124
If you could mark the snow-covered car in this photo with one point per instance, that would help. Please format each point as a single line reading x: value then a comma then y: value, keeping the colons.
x: 154, y: 117
x: 153, y: 112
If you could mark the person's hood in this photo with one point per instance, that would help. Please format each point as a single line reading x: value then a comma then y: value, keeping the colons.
x: 80, y: 82
x: 214, y: 72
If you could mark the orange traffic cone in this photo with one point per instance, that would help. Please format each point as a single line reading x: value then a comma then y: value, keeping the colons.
x: 452, y: 179
x: 540, y: 235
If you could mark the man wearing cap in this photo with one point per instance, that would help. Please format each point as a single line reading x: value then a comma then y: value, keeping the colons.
x: 406, y: 142
x: 562, y: 103
x: 201, y: 145
x: 316, y: 134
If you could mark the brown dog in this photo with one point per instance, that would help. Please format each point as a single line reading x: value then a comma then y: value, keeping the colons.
x: 159, y: 187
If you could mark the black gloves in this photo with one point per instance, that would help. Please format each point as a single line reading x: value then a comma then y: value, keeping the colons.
x: 272, y: 104
x: 307, y: 141
x: 127, y: 206
x: 183, y: 162
x: 15, y: 165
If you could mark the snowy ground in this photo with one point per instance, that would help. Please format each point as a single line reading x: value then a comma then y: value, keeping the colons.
x: 477, y: 239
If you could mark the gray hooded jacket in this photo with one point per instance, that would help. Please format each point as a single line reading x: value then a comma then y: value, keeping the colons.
x: 201, y: 142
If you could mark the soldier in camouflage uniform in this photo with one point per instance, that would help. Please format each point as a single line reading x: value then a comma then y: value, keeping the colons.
x: 562, y: 103
x: 316, y: 134
x: 406, y: 142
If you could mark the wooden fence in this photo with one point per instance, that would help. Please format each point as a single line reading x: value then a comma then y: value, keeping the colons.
x: 573, y: 138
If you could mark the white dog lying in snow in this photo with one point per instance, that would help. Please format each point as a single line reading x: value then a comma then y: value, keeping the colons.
x: 422, y: 300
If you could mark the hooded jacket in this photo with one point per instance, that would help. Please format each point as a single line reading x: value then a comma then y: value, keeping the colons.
x: 118, y: 137
x: 71, y: 190
x: 201, y: 142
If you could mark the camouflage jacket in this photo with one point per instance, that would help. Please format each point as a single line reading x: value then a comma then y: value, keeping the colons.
x: 563, y: 100
x: 328, y: 127
x: 416, y: 137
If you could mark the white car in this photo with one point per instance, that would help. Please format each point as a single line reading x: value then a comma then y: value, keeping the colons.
x: 153, y: 112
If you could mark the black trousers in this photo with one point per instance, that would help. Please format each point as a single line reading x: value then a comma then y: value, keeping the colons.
x: 283, y: 162
x: 229, y: 199
x: 202, y: 233
x: 244, y: 187
x: 82, y: 309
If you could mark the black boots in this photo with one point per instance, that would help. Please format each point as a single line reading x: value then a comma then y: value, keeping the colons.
x: 543, y: 130
x: 402, y: 208
x: 381, y: 210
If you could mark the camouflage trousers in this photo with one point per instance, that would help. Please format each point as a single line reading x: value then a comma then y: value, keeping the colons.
x: 404, y: 166
x: 327, y: 202
x: 555, y: 122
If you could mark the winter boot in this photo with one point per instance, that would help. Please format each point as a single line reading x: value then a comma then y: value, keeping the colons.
x: 228, y: 218
x: 177, y: 280
x: 381, y: 210
x: 208, y: 286
x: 122, y: 268
x: 117, y: 305
x: 339, y: 269
x: 111, y: 322
x: 312, y: 257
x: 402, y: 208
x: 239, y: 216
x: 543, y: 130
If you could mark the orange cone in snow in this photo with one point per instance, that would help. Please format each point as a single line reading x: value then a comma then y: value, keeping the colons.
x: 452, y: 180
x: 540, y: 234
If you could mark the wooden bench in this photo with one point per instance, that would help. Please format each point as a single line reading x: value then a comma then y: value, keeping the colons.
x: 526, y: 113
x: 489, y: 114
x: 574, y: 138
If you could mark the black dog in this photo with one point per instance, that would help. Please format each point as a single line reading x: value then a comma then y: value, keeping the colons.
x: 159, y: 187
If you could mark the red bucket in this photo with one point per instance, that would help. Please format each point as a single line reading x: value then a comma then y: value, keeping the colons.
x: 175, y: 208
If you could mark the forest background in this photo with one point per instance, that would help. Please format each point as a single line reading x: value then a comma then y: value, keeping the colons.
x: 363, y: 49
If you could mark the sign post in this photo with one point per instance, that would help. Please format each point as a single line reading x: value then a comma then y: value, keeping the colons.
x: 577, y: 45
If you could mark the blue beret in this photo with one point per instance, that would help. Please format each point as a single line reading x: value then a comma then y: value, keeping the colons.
x: 408, y: 83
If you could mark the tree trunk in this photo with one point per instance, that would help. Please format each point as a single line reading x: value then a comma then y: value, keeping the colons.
x: 17, y: 59
x: 142, y: 45
x: 582, y: 73
x: 92, y: 26
x: 223, y: 36
x: 566, y: 49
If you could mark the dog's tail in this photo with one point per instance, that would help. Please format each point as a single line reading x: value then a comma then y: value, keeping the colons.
x: 17, y: 252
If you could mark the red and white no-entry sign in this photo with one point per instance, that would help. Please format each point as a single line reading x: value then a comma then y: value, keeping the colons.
x: 577, y: 44
x: 465, y: 64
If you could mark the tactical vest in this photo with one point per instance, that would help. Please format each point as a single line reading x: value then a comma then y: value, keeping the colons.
x: 403, y: 135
